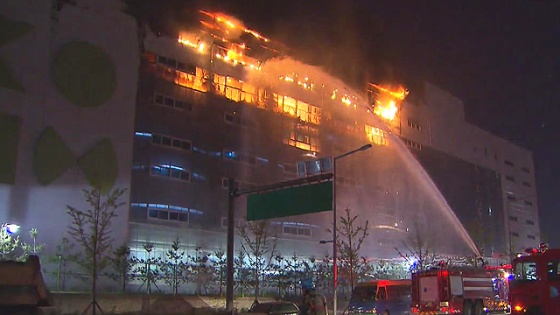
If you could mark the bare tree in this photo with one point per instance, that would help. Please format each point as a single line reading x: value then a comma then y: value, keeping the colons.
x: 90, y: 229
x: 260, y: 247
x: 349, y: 243
x: 419, y: 248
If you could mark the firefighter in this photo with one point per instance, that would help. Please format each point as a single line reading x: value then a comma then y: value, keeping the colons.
x: 313, y: 303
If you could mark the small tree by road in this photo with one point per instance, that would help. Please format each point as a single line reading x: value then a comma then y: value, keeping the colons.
x: 91, y: 230
x: 419, y: 247
x: 174, y: 268
x: 351, y: 236
x: 260, y: 248
x: 120, y: 261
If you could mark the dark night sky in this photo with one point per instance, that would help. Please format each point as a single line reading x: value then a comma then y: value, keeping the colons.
x: 502, y: 58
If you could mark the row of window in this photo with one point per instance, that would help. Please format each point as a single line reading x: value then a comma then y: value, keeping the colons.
x: 243, y: 157
x: 168, y: 215
x: 529, y: 236
x: 293, y: 107
x: 168, y: 101
x: 176, y: 143
x: 513, y: 198
x: 171, y: 171
x: 523, y: 169
x: 236, y: 119
x: 516, y: 219
x: 175, y: 64
x: 240, y: 91
x: 512, y: 179
x: 286, y: 229
x: 412, y: 144
x: 414, y: 125
x: 299, y: 231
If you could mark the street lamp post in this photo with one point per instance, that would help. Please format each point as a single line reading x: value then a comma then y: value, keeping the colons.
x: 335, y: 249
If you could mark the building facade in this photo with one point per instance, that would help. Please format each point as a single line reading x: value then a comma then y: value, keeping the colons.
x: 67, y: 102
x: 210, y: 109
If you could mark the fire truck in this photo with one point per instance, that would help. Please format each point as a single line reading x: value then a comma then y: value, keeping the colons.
x: 535, y: 283
x: 460, y: 290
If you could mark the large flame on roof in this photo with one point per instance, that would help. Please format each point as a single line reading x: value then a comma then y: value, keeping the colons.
x: 229, y: 25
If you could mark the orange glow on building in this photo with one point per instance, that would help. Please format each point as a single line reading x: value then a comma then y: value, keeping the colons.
x: 376, y: 135
x: 239, y: 91
x: 305, y: 83
x: 304, y: 111
x: 193, y: 42
x: 195, y: 82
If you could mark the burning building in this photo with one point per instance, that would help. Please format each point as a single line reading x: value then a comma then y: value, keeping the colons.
x: 223, y: 101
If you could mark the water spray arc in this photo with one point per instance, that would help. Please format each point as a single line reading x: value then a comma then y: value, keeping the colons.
x: 335, y: 219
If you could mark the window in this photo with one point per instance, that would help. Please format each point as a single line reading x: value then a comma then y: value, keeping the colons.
x: 232, y: 119
x: 511, y: 198
x: 525, y: 170
x: 239, y: 91
x: 160, y: 99
x: 512, y: 218
x: 528, y: 203
x: 381, y: 294
x: 508, y: 162
x: 515, y: 234
x: 293, y: 107
x: 510, y: 178
x: 175, y: 143
x: 525, y: 271
x: 168, y: 215
x: 237, y: 222
x: 171, y: 171
x: 289, y: 168
x: 553, y: 270
x: 412, y: 144
x: 241, y: 157
x: 530, y: 222
x: 414, y: 125
x: 531, y: 237
x: 376, y: 135
x: 299, y: 231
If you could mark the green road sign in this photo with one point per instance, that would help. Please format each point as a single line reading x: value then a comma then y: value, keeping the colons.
x: 290, y: 201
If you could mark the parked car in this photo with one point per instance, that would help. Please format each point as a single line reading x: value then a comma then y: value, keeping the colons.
x: 275, y: 308
x: 387, y: 297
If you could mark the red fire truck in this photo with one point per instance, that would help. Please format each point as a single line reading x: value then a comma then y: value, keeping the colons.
x: 535, y: 285
x: 459, y: 290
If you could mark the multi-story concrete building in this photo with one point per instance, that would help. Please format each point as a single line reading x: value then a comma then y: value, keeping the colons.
x: 210, y: 109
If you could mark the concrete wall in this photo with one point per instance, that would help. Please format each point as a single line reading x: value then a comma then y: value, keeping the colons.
x: 40, y: 104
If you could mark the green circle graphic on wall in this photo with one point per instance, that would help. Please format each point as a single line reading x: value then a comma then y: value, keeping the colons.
x: 84, y: 74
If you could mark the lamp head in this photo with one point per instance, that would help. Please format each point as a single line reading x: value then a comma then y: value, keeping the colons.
x: 12, y: 228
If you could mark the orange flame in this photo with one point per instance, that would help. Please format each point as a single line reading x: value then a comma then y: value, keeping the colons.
x: 400, y: 93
